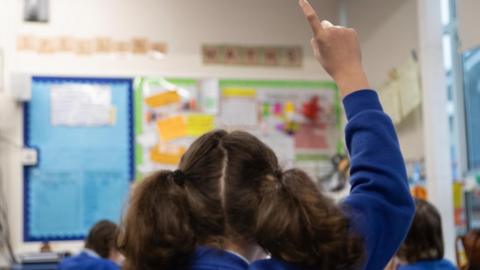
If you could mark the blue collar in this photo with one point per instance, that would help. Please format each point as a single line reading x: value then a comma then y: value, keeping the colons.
x: 206, y: 256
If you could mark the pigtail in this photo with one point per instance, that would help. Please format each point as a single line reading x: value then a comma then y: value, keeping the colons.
x: 298, y: 224
x: 157, y: 231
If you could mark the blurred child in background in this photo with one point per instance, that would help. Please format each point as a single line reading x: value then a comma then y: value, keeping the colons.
x: 100, y: 251
x: 424, y: 247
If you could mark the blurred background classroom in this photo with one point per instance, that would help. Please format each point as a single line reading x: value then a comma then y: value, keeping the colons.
x: 96, y: 94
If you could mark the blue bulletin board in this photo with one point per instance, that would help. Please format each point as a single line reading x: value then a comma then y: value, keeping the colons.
x: 84, y: 170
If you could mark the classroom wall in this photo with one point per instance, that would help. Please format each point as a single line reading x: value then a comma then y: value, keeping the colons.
x: 184, y: 25
x: 388, y: 33
x: 3, y: 38
x: 266, y: 22
x: 467, y: 12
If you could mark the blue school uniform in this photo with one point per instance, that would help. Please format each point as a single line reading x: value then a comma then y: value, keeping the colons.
x: 206, y: 258
x: 429, y: 265
x: 87, y: 260
x: 379, y: 205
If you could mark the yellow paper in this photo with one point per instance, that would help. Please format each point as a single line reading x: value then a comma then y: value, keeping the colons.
x: 199, y: 124
x: 172, y: 128
x: 162, y: 99
x: 166, y: 157
x: 457, y: 195
x: 409, y: 84
x: 239, y: 92
x: 389, y: 95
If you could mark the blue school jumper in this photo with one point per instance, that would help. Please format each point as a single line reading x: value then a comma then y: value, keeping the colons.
x: 87, y: 260
x: 429, y: 265
x: 213, y: 259
x: 379, y: 205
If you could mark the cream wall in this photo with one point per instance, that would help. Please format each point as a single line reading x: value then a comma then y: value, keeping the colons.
x: 184, y: 24
x: 468, y: 23
x: 388, y: 31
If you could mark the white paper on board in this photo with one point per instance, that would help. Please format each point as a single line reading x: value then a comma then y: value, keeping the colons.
x: 239, y: 112
x: 284, y: 148
x: 81, y: 105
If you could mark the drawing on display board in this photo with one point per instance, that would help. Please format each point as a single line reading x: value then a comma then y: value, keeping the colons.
x: 299, y: 120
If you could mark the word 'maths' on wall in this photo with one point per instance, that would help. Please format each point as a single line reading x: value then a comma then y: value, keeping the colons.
x: 88, y: 46
x: 253, y: 55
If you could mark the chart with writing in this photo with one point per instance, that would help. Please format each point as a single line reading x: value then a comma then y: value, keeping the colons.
x: 85, y: 160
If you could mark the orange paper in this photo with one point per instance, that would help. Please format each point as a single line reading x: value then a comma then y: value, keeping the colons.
x: 172, y: 128
x: 162, y: 99
x: 171, y: 158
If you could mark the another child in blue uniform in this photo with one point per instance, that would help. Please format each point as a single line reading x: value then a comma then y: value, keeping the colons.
x: 176, y: 218
x: 100, y: 252
x: 230, y: 198
x: 423, y: 248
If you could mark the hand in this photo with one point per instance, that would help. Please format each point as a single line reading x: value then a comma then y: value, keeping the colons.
x: 338, y: 51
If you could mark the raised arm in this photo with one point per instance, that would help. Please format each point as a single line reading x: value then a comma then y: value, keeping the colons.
x: 380, y: 206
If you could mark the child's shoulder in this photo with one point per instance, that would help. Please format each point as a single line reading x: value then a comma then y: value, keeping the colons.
x: 108, y: 265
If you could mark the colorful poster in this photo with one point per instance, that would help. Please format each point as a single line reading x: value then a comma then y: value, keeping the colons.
x: 170, y: 114
x: 299, y: 120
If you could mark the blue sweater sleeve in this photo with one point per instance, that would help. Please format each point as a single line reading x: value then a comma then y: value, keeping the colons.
x: 379, y: 206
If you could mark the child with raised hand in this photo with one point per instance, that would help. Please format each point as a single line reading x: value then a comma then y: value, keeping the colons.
x: 378, y: 210
x: 229, y: 195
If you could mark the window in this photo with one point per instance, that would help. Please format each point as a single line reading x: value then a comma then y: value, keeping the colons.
x: 471, y: 61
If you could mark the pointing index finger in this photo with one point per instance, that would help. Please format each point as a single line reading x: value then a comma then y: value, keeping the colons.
x: 311, y: 16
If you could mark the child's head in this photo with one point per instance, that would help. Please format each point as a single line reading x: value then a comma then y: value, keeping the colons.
x: 425, y: 238
x: 229, y: 187
x: 471, y: 242
x: 283, y: 211
x: 101, y: 239
x: 171, y: 213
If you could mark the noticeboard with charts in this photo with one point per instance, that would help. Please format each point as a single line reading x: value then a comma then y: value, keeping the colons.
x: 299, y: 120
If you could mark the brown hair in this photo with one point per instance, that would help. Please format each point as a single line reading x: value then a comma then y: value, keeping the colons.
x: 171, y: 213
x: 230, y: 186
x: 471, y: 242
x: 425, y: 239
x: 284, y: 212
x: 101, y: 238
